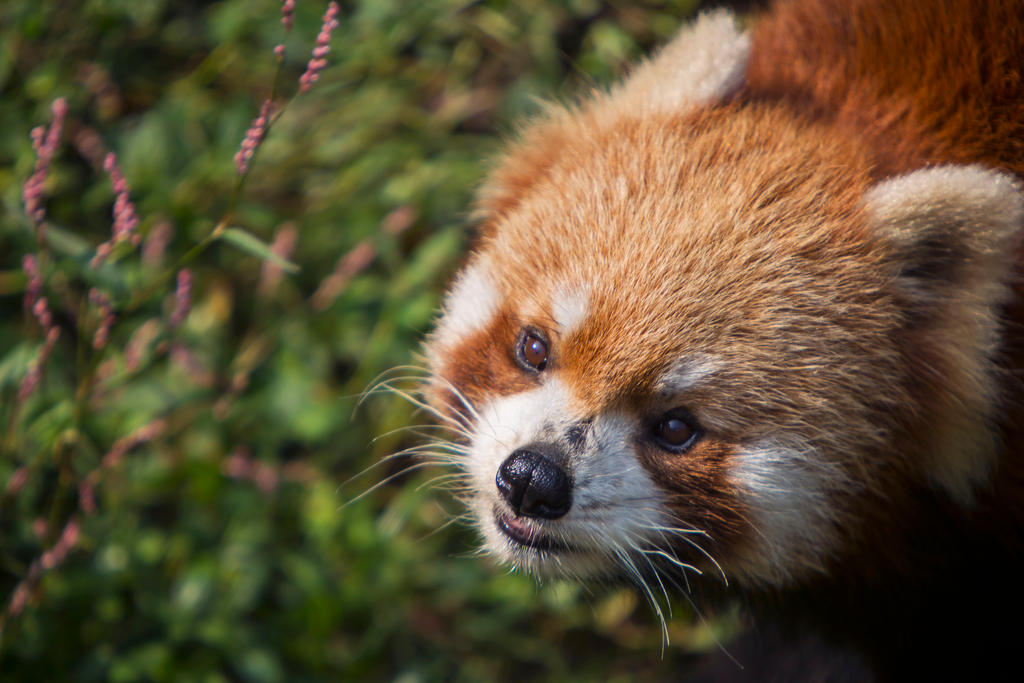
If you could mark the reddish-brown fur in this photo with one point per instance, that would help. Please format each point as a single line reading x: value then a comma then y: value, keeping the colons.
x: 920, y: 82
x: 485, y: 368
x: 798, y: 298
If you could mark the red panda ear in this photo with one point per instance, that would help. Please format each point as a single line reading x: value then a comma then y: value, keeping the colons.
x: 953, y: 230
x: 706, y: 61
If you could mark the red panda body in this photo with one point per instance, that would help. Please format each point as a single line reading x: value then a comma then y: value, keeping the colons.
x: 756, y: 313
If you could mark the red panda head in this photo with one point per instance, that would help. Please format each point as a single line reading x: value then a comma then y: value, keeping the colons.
x: 693, y: 331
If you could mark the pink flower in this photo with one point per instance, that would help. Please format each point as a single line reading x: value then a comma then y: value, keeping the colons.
x: 87, y: 495
x: 68, y: 540
x: 40, y: 527
x: 41, y: 311
x: 40, y: 308
x: 20, y: 598
x: 30, y: 382
x: 253, y: 137
x: 241, y: 465
x: 34, y: 281
x: 287, y: 14
x: 125, y: 218
x: 122, y: 446
x: 283, y: 245
x: 351, y: 264
x: 182, y: 298
x: 47, y: 561
x: 44, y: 142
x: 17, y: 480
x: 155, y: 246
x: 139, y: 344
x: 35, y: 367
x: 287, y: 19
x: 100, y: 301
x: 318, y: 60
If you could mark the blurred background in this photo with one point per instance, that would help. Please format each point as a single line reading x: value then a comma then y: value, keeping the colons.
x: 187, y: 488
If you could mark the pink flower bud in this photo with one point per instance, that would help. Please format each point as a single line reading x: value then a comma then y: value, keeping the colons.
x: 253, y: 137
x: 17, y: 480
x: 33, y: 281
x: 125, y: 217
x: 287, y: 14
x: 44, y: 142
x: 317, y: 62
x: 101, y: 302
x: 182, y: 298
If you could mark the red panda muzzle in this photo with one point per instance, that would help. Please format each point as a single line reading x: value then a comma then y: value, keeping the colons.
x: 528, y: 534
x: 533, y: 484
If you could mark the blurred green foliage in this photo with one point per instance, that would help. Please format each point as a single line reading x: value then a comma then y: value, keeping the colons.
x: 231, y: 546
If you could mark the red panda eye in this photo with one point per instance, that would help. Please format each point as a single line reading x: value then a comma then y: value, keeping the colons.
x: 532, y: 351
x: 675, y: 432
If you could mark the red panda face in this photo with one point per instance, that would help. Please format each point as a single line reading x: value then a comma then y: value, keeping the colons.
x: 683, y: 338
x: 647, y: 371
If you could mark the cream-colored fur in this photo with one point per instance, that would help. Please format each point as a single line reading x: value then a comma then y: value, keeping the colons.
x: 705, y: 61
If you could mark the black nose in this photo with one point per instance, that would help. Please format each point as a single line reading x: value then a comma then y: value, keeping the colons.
x: 534, y: 485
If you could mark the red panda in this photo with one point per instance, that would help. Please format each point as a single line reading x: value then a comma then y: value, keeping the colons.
x: 755, y: 313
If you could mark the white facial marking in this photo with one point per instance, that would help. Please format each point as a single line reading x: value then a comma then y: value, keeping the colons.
x: 686, y: 374
x: 569, y: 307
x: 617, y: 503
x: 511, y: 422
x: 792, y: 511
x: 469, y: 305
x: 616, y: 506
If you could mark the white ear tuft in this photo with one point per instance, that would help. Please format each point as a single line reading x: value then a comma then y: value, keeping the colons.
x: 971, y: 196
x: 705, y: 61
x: 952, y: 226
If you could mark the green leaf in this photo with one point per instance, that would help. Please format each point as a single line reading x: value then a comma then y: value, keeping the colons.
x: 14, y: 365
x: 66, y: 242
x: 248, y: 242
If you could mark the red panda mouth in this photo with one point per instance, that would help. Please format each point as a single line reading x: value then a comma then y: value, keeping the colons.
x: 525, y: 533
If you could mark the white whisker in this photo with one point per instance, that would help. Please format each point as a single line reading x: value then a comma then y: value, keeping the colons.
x: 386, y: 480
